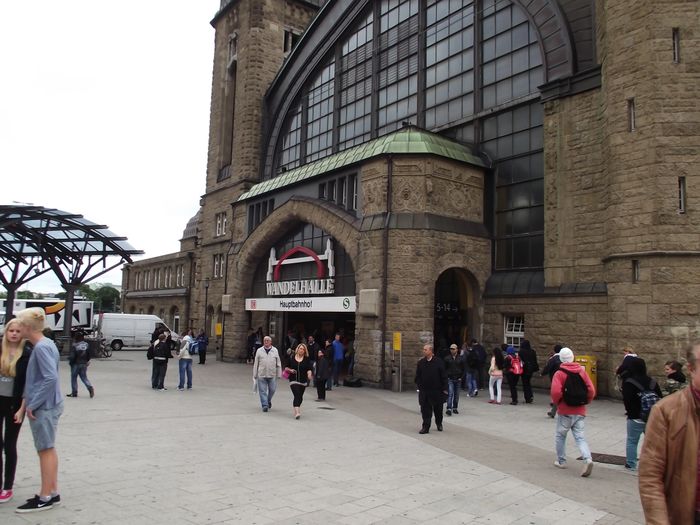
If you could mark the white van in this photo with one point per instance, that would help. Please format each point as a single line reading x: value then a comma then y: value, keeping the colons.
x: 120, y: 330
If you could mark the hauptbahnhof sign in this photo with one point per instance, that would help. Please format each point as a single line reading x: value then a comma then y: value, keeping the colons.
x: 302, y: 304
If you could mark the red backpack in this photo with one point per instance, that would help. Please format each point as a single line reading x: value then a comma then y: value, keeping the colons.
x: 516, y: 365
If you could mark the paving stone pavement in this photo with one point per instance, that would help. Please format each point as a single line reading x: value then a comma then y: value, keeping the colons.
x: 133, y: 455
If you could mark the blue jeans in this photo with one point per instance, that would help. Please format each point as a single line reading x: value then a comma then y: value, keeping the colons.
x: 635, y: 428
x: 337, y: 365
x: 576, y: 425
x: 75, y: 371
x: 472, y: 385
x: 266, y: 389
x: 453, y: 393
x: 185, y: 368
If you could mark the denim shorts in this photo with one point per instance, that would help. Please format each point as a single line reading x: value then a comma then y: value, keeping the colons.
x: 44, y: 426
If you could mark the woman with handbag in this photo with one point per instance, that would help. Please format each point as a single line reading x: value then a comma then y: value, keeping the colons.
x: 300, y: 371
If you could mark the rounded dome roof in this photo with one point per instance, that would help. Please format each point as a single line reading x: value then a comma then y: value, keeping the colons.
x: 191, y: 228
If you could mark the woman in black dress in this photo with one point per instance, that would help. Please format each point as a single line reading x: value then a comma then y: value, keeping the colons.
x: 300, y: 372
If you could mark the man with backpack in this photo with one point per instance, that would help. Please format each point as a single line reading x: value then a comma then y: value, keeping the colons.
x: 639, y: 393
x: 572, y: 390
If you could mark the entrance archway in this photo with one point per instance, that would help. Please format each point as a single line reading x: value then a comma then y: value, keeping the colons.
x: 455, y: 311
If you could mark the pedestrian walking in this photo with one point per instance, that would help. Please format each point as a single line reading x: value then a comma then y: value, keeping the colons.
x: 79, y: 360
x: 185, y: 361
x: 496, y: 375
x: 300, y: 370
x: 512, y: 369
x: 14, y: 358
x: 267, y: 367
x: 482, y: 367
x: 161, y: 353
x: 471, y: 366
x: 635, y: 395
x: 338, y: 358
x: 202, y: 344
x: 668, y: 464
x: 571, y: 391
x: 454, y: 367
x: 44, y: 406
x: 550, y: 368
x: 328, y: 352
x: 323, y: 373
x: 431, y: 380
x: 528, y: 356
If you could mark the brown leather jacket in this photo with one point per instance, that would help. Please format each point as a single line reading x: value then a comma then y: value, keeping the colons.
x: 669, y: 459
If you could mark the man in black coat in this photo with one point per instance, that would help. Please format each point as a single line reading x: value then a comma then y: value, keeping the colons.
x: 431, y: 380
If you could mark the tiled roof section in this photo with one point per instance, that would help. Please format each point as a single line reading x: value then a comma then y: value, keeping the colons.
x: 406, y: 141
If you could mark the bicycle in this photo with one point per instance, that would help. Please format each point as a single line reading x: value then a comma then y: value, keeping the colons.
x: 105, y: 349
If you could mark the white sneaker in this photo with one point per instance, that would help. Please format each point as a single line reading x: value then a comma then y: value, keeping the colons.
x: 587, y: 468
x: 559, y: 465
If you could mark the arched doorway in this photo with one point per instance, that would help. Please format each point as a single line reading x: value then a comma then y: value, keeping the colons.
x: 455, y: 312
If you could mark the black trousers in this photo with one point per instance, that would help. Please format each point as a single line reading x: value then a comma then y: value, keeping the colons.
x: 321, y: 388
x: 298, y: 391
x: 9, y: 431
x: 202, y: 356
x: 430, y: 404
x: 161, y: 367
x: 513, y: 384
x: 527, y: 387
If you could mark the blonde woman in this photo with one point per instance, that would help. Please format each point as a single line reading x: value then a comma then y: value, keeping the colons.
x: 14, y: 357
x: 300, y: 372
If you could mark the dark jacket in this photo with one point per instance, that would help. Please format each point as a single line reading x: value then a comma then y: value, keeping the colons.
x: 630, y: 394
x: 20, y: 376
x: 79, y: 354
x: 162, y: 350
x: 313, y: 350
x: 529, y: 358
x: 480, y: 353
x: 323, y: 369
x: 431, y: 376
x: 454, y: 366
x: 552, y: 366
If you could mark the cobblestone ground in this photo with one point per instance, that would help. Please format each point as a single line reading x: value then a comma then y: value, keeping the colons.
x: 133, y: 455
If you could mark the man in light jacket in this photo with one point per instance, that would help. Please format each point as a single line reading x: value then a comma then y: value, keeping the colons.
x: 267, y: 367
x: 668, y: 464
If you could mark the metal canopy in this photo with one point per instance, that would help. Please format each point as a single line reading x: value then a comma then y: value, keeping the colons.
x: 35, y: 240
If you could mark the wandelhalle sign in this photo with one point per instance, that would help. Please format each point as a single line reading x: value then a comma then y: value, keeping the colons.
x: 324, y: 284
x: 302, y: 295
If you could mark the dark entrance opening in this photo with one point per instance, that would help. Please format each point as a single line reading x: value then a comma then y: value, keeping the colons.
x: 323, y: 326
x: 454, y: 310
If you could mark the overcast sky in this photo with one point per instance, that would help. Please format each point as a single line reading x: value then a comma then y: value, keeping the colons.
x: 104, y: 111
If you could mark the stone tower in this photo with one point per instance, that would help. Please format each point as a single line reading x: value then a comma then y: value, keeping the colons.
x: 252, y: 39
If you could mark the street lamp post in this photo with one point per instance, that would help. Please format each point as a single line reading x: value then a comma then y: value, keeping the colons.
x: 206, y: 306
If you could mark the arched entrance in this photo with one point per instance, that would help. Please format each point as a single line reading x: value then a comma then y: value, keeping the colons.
x: 455, y: 312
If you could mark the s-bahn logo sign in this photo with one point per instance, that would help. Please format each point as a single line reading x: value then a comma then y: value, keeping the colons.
x: 324, y: 284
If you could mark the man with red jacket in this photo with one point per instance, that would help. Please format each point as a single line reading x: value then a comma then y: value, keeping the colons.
x: 571, y: 408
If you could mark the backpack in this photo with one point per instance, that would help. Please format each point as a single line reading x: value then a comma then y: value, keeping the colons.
x: 647, y: 397
x: 575, y: 389
x: 516, y: 366
x: 194, y: 348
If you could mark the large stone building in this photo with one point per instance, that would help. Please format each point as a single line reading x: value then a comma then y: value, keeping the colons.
x: 496, y: 169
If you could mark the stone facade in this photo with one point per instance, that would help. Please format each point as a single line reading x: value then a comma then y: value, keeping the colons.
x: 620, y: 256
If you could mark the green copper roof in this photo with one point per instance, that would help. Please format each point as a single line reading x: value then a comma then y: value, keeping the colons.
x: 406, y: 141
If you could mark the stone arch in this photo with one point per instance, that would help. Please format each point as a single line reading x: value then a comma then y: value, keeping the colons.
x: 339, y: 224
x: 475, y: 274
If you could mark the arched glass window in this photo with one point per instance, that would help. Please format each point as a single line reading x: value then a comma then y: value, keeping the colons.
x: 466, y: 69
